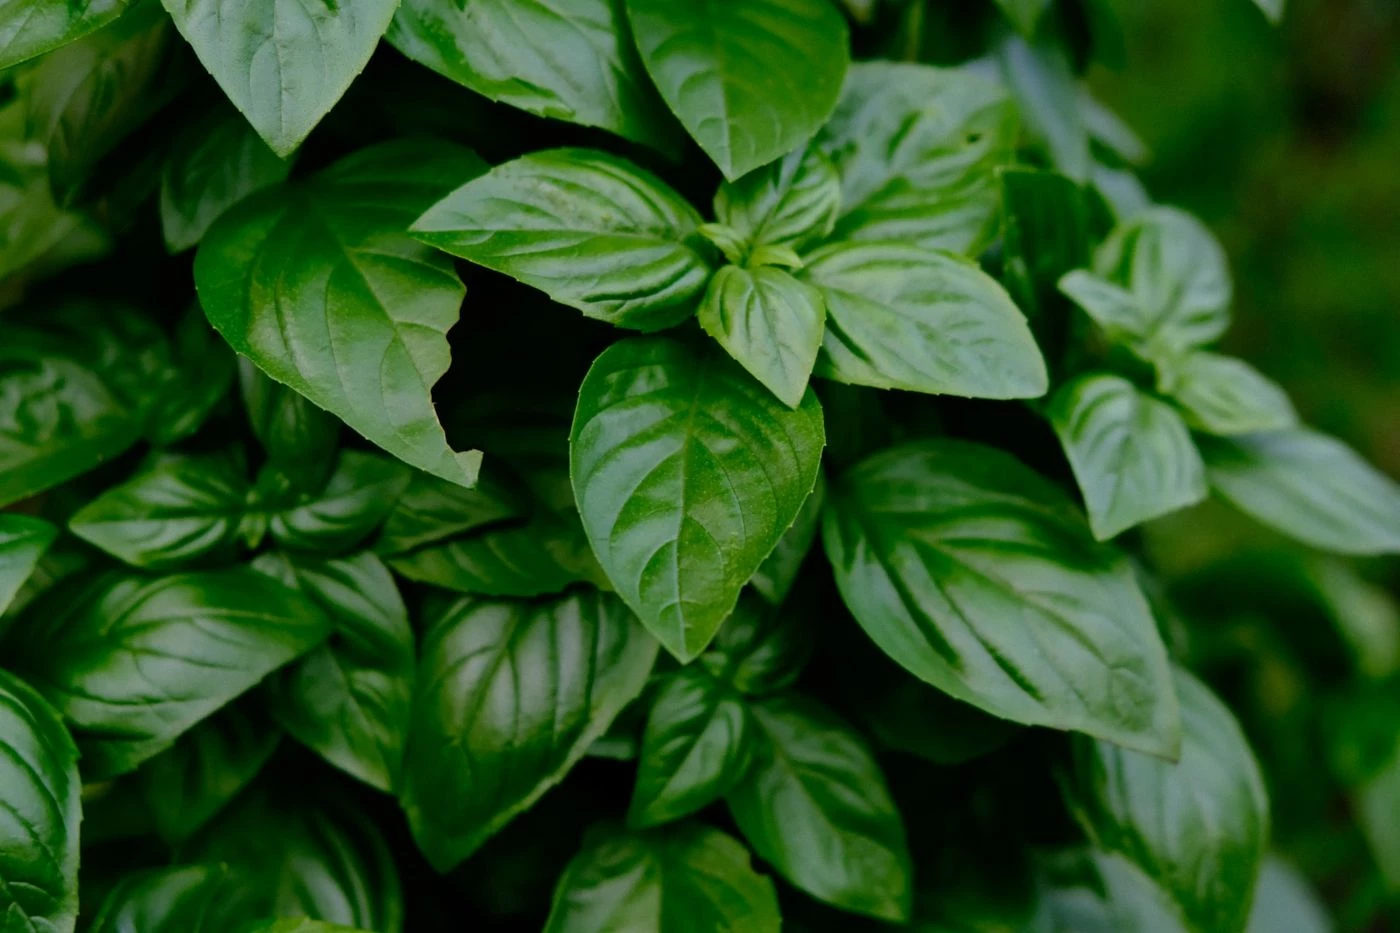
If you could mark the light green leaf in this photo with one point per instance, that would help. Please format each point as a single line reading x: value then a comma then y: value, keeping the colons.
x: 903, y: 317
x: 1041, y: 76
x: 298, y: 438
x: 1132, y: 455
x: 749, y: 81
x: 29, y: 28
x: 792, y: 202
x: 283, y: 63
x: 591, y: 230
x: 1309, y: 486
x: 1284, y: 902
x: 1091, y: 891
x: 359, y: 495
x: 687, y: 473
x: 1273, y: 9
x: 937, y: 544
x: 684, y: 879
x: 815, y: 805
x: 770, y: 322
x: 777, y: 574
x: 485, y: 743
x: 39, y: 813
x: 1198, y: 827
x: 571, y: 60
x: 190, y: 899
x: 1223, y: 395
x: 23, y: 540
x: 319, y: 285
x: 917, y: 150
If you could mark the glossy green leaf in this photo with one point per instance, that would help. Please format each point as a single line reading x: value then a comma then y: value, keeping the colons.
x: 317, y: 281
x: 778, y: 572
x: 1223, y: 395
x: 134, y: 662
x: 760, y: 648
x: 1041, y: 76
x: 195, y: 384
x: 591, y: 230
x: 903, y: 317
x: 298, y: 438
x: 283, y: 63
x: 694, y: 750
x: 917, y: 150
x: 1198, y: 827
x: 350, y: 699
x: 23, y: 541
x: 936, y: 544
x: 792, y: 202
x: 433, y: 510
x: 770, y: 322
x: 687, y: 473
x: 188, y: 899
x: 357, y: 498
x: 684, y: 879
x: 749, y: 82
x: 571, y: 61
x: 29, y: 28
x: 1132, y: 454
x: 814, y: 804
x: 39, y: 813
x: 1285, y: 903
x: 1308, y: 486
x: 485, y: 743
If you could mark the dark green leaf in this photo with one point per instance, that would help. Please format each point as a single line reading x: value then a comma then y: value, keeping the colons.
x: 192, y: 899
x: 433, y: 510
x: 684, y: 879
x: 694, y: 750
x: 133, y: 662
x: 937, y: 544
x: 194, y: 385
x: 23, y: 541
x: 300, y: 925
x: 1024, y: 14
x: 760, y: 648
x: 814, y: 804
x: 1366, y: 616
x: 749, y: 81
x: 359, y: 495
x: 298, y: 438
x: 903, y: 317
x: 316, y: 281
x: 486, y: 743
x: 1376, y: 802
x: 1309, y: 486
x: 792, y: 202
x: 1223, y: 395
x: 39, y: 813
x: 1132, y: 454
x: 779, y: 571
x: 1041, y: 76
x: 917, y: 150
x: 593, y: 231
x: 1045, y: 232
x: 687, y: 473
x: 908, y: 715
x: 29, y: 28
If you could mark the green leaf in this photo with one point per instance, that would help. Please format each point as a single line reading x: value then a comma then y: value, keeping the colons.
x: 1024, y: 14
x: 778, y: 572
x: 792, y: 202
x: 936, y: 544
x: 191, y: 899
x: 187, y: 785
x: 917, y: 150
x: 350, y: 699
x: 37, y: 236
x: 1223, y: 395
x: 908, y: 715
x: 1366, y: 616
x: 300, y: 925
x: 815, y: 805
x: 283, y: 63
x: 571, y: 61
x: 1308, y: 486
x: 357, y: 498
x: 23, y: 540
x: 904, y: 317
x: 176, y: 511
x: 298, y: 438
x: 687, y: 473
x: 134, y: 662
x: 591, y: 230
x: 1132, y: 455
x: 1045, y: 232
x: 684, y: 879
x: 760, y: 648
x: 317, y: 281
x: 194, y: 385
x: 770, y: 322
x: 1041, y: 77
x: 694, y: 750
x: 749, y: 82
x: 1273, y: 9
x: 433, y: 510
x: 29, y: 28
x: 1089, y: 891
x: 1284, y: 902
x: 485, y: 744
x: 215, y: 163
x: 1198, y: 827
x: 39, y: 813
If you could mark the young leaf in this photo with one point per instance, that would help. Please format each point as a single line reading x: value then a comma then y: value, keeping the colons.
x: 1223, y: 395
x: 903, y: 317
x: 937, y: 544
x: 1309, y: 486
x: 318, y: 285
x: 1197, y: 827
x: 1132, y: 455
x: 760, y: 649
x: 283, y: 63
x: 751, y: 81
x: 792, y: 202
x: 591, y: 230
x: 770, y: 322
x: 1041, y: 76
x: 571, y: 61
x: 694, y: 750
x: 683, y: 879
x: 687, y: 473
x: 359, y: 495
x: 298, y: 438
x: 39, y: 813
x: 134, y: 662
x: 778, y: 572
x: 815, y: 805
x: 189, y: 899
x: 485, y: 743
x: 917, y: 150
x: 23, y: 540
x: 29, y: 28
